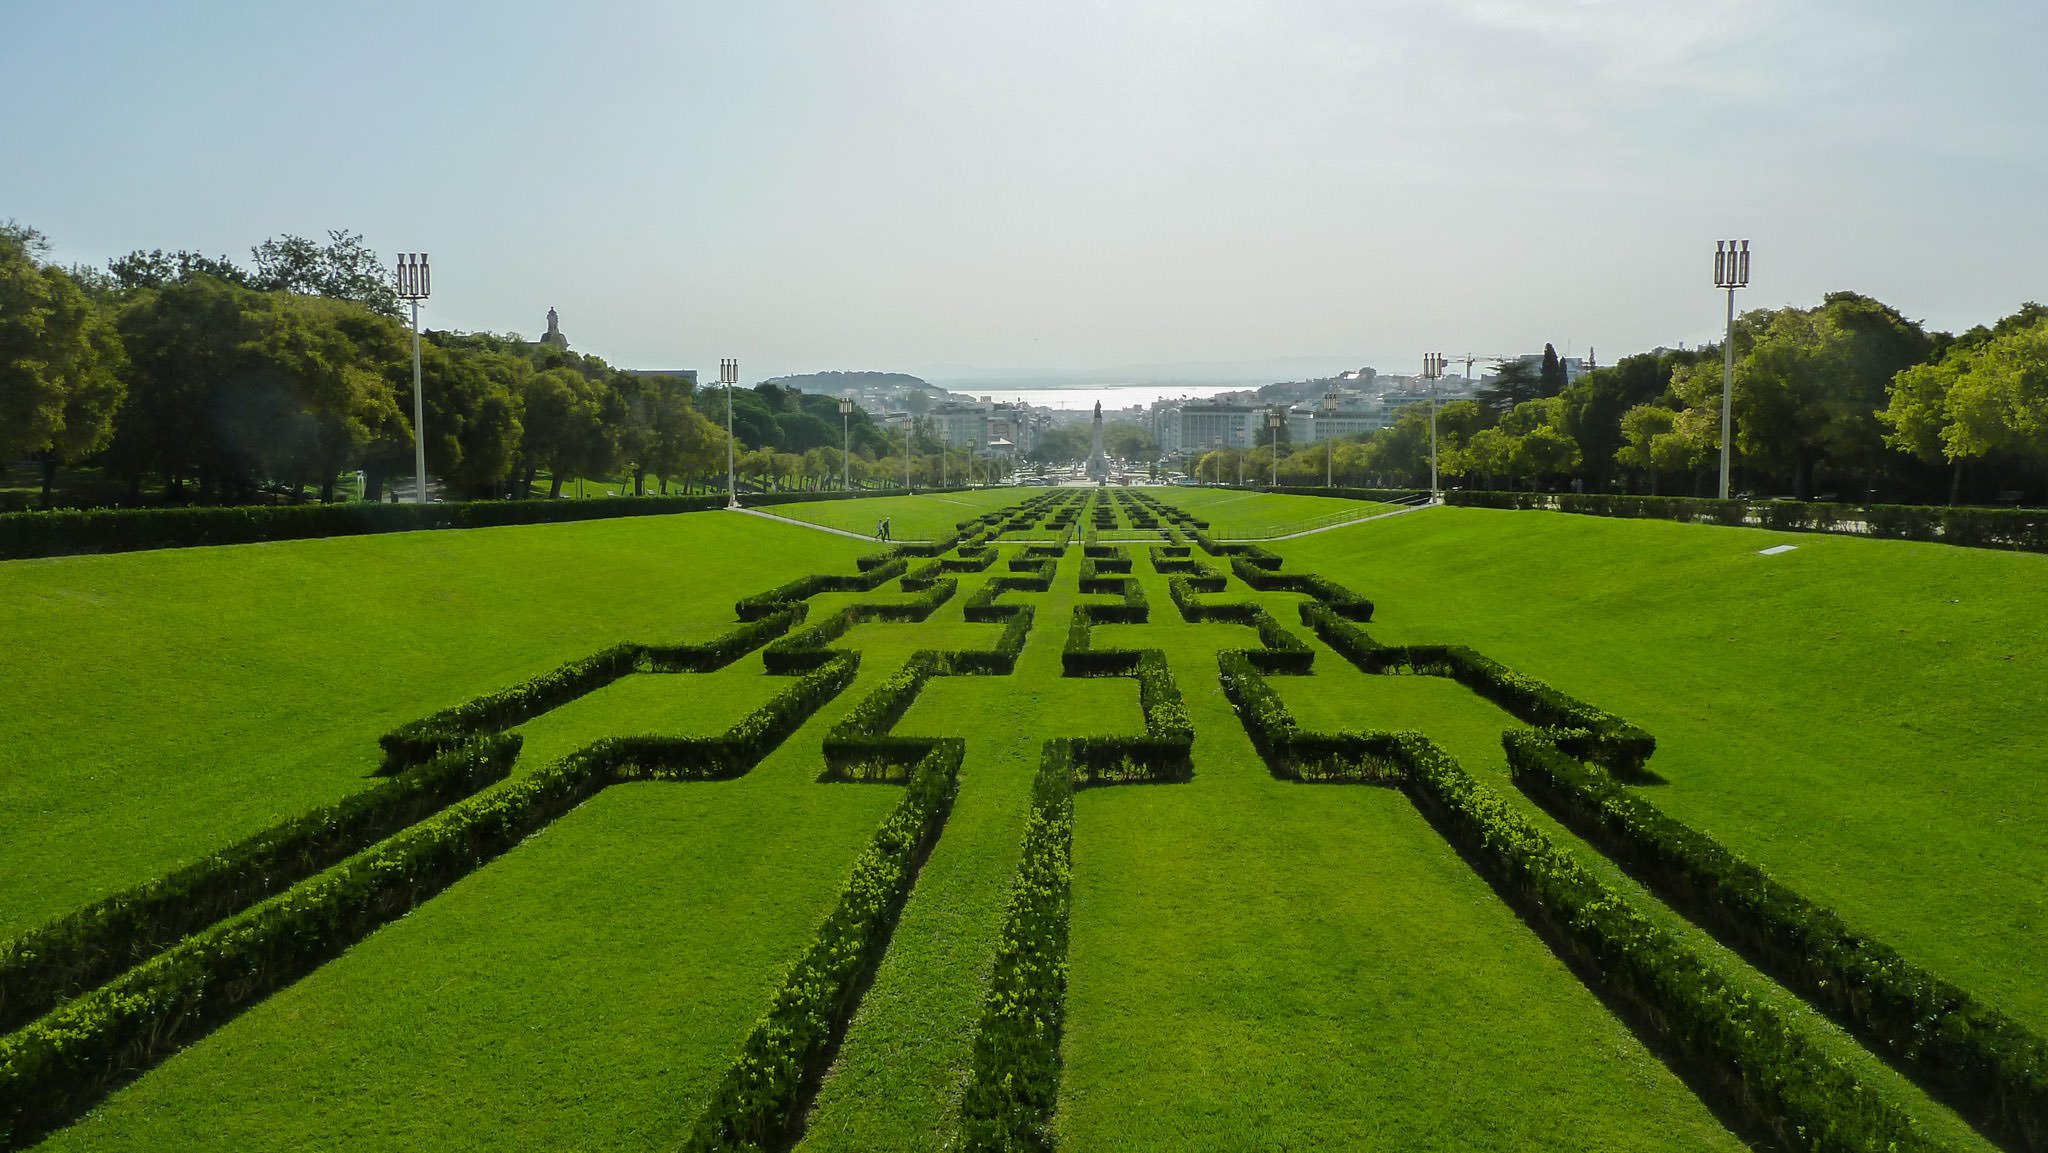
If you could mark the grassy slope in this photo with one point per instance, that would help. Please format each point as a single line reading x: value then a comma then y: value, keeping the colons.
x: 897, y: 1081
x: 1860, y: 717
x: 1262, y: 964
x: 586, y: 991
x: 1235, y: 514
x: 160, y: 704
x: 925, y: 516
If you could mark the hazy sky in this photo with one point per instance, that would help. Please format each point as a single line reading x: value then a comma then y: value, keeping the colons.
x: 1025, y: 187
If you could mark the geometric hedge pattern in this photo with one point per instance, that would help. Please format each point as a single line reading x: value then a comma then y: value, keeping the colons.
x: 98, y: 997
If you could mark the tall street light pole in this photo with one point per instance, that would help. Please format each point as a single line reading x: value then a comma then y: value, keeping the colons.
x: 1329, y: 442
x: 1432, y: 371
x: 416, y: 283
x: 1216, y: 455
x: 1273, y: 422
x: 729, y: 375
x: 1731, y: 271
x: 909, y: 431
x: 846, y: 437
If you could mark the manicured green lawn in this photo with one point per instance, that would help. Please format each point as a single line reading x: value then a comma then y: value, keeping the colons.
x: 1254, y: 963
x: 584, y: 992
x: 924, y: 516
x: 1862, y: 718
x: 1260, y: 964
x: 1237, y: 514
x: 161, y: 704
x: 898, y: 1078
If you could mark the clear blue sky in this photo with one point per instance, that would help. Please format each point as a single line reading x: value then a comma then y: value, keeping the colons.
x: 1034, y: 186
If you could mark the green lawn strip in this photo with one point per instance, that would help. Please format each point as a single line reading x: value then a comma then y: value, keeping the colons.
x: 648, y: 703
x: 1846, y: 715
x: 585, y: 991
x: 897, y: 1081
x: 1256, y: 963
x: 165, y: 704
x: 1236, y: 514
x: 1469, y: 728
x: 924, y: 516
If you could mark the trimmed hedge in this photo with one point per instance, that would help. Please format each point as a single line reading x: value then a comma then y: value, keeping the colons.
x: 755, y: 1103
x: 2025, y: 530
x: 1775, y: 1069
x: 1292, y: 754
x: 1991, y: 1068
x: 871, y: 577
x: 418, y: 741
x: 1595, y: 733
x: 90, y: 946
x: 64, y: 532
x: 1015, y: 1081
x: 1376, y: 495
x: 61, y: 1064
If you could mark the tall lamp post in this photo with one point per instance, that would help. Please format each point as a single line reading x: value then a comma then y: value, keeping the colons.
x: 1329, y: 442
x: 1731, y: 271
x: 416, y: 283
x: 846, y: 439
x: 1432, y: 371
x: 1216, y: 455
x: 909, y: 431
x: 1273, y: 423
x: 729, y: 375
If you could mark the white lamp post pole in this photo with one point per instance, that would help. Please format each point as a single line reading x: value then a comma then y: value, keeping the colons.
x: 1432, y: 369
x: 1273, y: 420
x: 1329, y: 442
x: 1731, y: 271
x: 729, y: 375
x: 416, y: 283
x: 846, y: 440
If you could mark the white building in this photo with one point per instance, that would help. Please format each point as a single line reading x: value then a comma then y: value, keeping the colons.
x: 1205, y: 423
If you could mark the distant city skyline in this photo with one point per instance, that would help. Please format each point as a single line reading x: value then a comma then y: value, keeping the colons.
x: 1062, y: 191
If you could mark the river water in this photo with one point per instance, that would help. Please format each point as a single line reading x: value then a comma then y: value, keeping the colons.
x: 1113, y: 396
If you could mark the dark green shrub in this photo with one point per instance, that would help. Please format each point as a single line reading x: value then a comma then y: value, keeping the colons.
x: 754, y: 1105
x: 1994, y: 1070
x: 86, y: 948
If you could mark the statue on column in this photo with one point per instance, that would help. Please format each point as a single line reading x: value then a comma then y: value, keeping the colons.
x: 1098, y: 462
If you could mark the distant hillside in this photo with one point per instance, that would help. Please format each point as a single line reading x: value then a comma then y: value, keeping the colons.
x: 835, y: 382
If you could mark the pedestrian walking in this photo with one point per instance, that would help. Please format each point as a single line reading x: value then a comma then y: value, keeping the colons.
x: 882, y: 528
x: 885, y: 528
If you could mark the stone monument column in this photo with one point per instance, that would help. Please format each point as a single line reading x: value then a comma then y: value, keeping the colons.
x: 1098, y: 463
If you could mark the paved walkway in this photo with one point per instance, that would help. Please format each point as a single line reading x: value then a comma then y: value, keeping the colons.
x: 765, y: 515
x: 1328, y: 527
x: 870, y: 537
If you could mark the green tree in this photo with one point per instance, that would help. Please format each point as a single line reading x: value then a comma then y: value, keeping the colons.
x: 1984, y: 401
x: 567, y: 432
x: 60, y: 360
x: 1594, y: 405
x: 344, y: 268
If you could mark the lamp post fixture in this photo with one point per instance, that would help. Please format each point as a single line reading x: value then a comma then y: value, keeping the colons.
x: 1329, y: 443
x: 846, y: 439
x: 1731, y: 271
x: 909, y: 431
x: 1273, y: 422
x: 416, y: 283
x: 1432, y: 371
x: 729, y: 375
x: 1216, y: 456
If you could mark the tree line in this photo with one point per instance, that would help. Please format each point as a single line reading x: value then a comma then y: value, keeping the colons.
x: 189, y: 377
x: 1847, y: 399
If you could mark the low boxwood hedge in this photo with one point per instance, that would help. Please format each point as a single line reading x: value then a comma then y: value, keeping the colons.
x: 1991, y: 1068
x: 2021, y: 529
x: 1623, y: 747
x: 86, y: 948
x: 755, y: 1105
